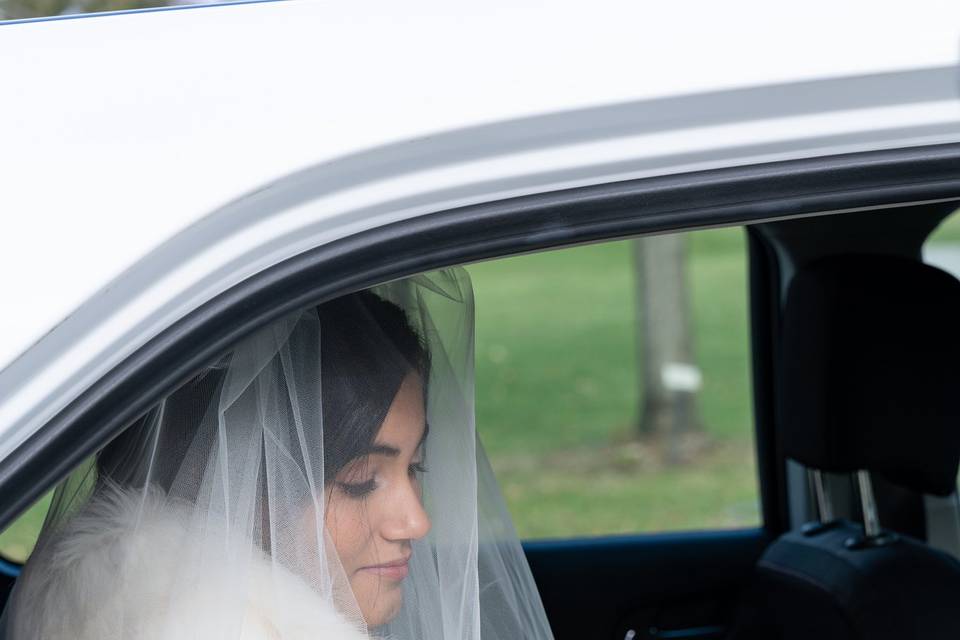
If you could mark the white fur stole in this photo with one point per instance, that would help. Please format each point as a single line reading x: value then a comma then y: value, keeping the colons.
x: 116, y: 571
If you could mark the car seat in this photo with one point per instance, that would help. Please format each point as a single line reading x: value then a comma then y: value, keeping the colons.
x: 870, y: 385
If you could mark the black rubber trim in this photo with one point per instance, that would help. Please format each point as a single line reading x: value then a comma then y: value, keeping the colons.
x: 764, y: 317
x: 720, y: 197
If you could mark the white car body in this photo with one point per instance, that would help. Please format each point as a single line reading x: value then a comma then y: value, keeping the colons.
x: 153, y: 160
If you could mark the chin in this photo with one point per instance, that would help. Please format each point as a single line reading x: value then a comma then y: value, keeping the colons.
x: 383, y: 608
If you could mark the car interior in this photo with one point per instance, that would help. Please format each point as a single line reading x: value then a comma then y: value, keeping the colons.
x: 855, y: 403
x: 855, y: 426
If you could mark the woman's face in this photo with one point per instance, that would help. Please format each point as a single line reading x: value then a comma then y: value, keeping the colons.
x: 374, y: 509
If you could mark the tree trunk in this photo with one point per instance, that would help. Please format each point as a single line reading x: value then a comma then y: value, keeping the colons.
x: 671, y: 379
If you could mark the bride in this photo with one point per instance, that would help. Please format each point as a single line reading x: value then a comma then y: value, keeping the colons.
x: 321, y: 480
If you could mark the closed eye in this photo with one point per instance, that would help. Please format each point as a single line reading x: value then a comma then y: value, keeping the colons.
x: 358, y: 489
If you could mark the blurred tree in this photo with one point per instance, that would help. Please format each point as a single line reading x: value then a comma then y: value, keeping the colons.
x: 17, y: 9
x: 669, y: 414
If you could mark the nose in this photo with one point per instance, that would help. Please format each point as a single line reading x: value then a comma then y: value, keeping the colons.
x: 408, y: 519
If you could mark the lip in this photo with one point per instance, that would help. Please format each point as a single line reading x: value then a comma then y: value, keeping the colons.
x: 395, y: 570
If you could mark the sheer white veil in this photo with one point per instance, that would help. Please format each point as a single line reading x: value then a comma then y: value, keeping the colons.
x: 259, y: 499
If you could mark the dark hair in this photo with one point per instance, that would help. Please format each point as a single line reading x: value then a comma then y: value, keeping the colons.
x: 367, y: 347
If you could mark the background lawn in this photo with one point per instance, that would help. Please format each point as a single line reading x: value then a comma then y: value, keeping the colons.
x: 558, y: 392
x: 16, y: 542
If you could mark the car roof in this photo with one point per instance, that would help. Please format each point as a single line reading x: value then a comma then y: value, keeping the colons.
x: 136, y: 145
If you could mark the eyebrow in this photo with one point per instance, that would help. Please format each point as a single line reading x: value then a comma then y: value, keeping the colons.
x: 383, y: 450
x: 391, y: 451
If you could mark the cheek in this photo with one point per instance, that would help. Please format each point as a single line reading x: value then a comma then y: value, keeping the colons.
x: 348, y: 526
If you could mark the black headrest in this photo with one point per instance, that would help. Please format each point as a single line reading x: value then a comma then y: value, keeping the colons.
x: 871, y: 355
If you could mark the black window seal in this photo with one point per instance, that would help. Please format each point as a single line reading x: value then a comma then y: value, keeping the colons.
x: 721, y: 197
x: 764, y: 304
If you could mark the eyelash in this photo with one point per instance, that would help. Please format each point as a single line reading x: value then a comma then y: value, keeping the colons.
x: 363, y: 489
x: 358, y: 489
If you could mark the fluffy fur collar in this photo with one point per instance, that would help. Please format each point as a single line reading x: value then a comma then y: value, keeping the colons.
x: 115, y: 571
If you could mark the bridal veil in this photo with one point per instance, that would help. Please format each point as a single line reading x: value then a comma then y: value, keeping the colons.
x: 322, y: 479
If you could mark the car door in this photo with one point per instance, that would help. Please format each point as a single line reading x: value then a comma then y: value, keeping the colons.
x: 478, y: 191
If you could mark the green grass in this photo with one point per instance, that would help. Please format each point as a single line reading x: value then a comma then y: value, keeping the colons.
x: 607, y: 495
x: 17, y: 540
x: 558, y: 392
x: 948, y: 231
x: 556, y: 344
x: 558, y: 395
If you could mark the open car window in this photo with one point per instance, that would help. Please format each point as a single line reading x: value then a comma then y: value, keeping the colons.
x: 580, y: 442
x: 614, y: 385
